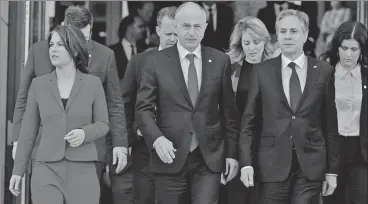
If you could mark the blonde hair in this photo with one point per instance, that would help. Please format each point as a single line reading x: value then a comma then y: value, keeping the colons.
x: 257, y: 30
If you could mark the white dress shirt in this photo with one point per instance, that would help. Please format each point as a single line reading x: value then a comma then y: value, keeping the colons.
x: 301, y: 70
x: 184, y: 61
x: 127, y: 46
x: 348, y: 94
x: 214, y: 14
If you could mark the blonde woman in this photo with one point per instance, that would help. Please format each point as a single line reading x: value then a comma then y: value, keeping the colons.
x: 250, y: 43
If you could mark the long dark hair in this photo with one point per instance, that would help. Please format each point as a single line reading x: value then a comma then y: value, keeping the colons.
x: 346, y: 31
x: 75, y: 43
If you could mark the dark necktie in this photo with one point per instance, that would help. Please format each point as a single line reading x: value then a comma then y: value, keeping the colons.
x: 133, y: 51
x: 294, y: 87
x: 210, y: 21
x: 193, y: 92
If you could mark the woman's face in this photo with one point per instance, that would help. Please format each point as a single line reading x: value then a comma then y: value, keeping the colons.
x: 253, y: 48
x: 349, y: 52
x: 59, y: 56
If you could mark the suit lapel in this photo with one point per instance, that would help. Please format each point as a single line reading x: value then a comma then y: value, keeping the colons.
x: 78, y: 82
x: 54, y: 88
x: 177, y: 72
x: 312, y: 73
x: 206, y: 77
x: 279, y: 86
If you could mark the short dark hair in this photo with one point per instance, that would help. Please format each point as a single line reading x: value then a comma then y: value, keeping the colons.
x: 125, y: 23
x: 78, y: 16
x: 166, y: 11
x: 75, y: 43
x: 348, y: 30
x: 140, y: 4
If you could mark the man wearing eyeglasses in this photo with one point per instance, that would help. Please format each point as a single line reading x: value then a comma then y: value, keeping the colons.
x: 102, y: 64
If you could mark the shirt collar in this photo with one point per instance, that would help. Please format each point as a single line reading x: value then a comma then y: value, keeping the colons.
x: 342, y: 72
x: 125, y: 42
x: 213, y: 7
x: 159, y: 48
x: 299, y: 61
x: 184, y: 52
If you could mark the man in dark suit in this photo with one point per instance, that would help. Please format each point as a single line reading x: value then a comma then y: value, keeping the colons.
x: 143, y: 179
x: 193, y: 136
x: 101, y: 64
x: 131, y: 29
x: 295, y: 148
x: 220, y: 22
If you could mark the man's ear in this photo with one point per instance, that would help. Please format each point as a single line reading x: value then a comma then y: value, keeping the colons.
x: 157, y: 29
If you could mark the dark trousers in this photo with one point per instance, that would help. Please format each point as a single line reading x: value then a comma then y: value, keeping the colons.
x: 122, y: 187
x: 235, y: 192
x: 296, y: 189
x: 143, y: 179
x: 64, y: 182
x: 352, y: 179
x: 195, y: 184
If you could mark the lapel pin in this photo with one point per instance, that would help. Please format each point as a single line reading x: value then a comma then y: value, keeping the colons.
x: 314, y: 66
x: 209, y: 60
x: 365, y: 86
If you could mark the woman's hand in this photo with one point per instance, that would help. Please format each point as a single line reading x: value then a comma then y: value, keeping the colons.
x: 75, y: 137
x: 14, y: 184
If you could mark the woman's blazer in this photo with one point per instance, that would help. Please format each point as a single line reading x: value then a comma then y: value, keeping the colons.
x: 86, y: 109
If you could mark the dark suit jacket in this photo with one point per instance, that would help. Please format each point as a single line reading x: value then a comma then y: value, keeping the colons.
x: 243, y: 85
x: 225, y: 22
x: 121, y: 58
x: 101, y: 64
x: 130, y: 88
x: 214, y: 117
x: 313, y: 126
x: 86, y: 109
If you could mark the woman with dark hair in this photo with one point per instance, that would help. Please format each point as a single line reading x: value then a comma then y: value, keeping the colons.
x: 348, y: 53
x: 70, y: 106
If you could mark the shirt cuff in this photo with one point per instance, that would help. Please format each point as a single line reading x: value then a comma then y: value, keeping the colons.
x: 331, y: 174
x: 246, y: 167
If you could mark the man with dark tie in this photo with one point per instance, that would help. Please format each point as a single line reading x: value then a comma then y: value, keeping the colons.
x: 289, y: 128
x: 220, y: 20
x: 102, y: 64
x: 143, y: 179
x: 131, y: 29
x: 187, y: 114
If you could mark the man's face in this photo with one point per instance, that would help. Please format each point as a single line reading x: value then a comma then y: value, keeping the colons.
x: 291, y: 36
x: 190, y: 27
x: 138, y: 28
x: 166, y: 32
x: 146, y: 11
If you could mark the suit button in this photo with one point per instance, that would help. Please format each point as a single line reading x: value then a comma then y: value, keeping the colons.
x: 291, y: 138
x: 293, y: 117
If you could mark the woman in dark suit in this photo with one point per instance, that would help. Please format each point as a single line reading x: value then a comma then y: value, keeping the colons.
x: 70, y: 106
x: 250, y: 44
x: 349, y: 55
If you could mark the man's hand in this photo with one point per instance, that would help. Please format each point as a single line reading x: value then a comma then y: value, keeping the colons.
x: 119, y: 155
x: 14, y: 149
x: 164, y: 149
x: 231, y: 169
x: 329, y: 185
x: 14, y: 185
x: 75, y: 137
x: 246, y: 176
